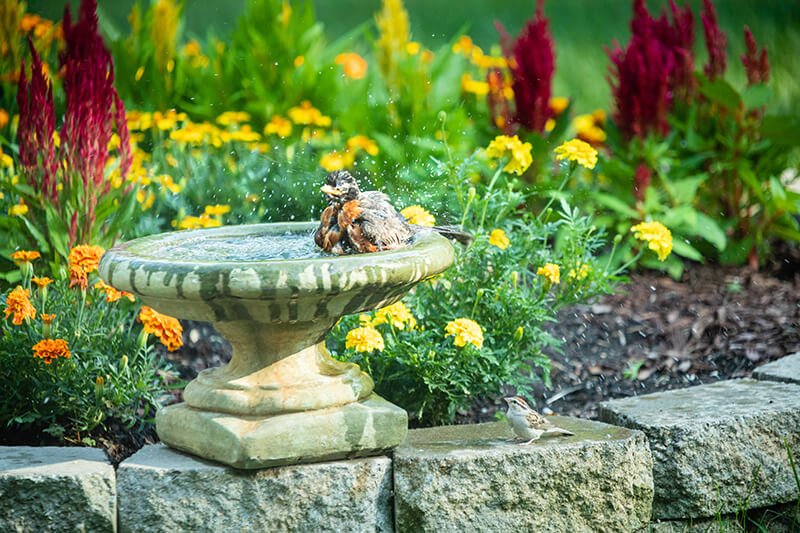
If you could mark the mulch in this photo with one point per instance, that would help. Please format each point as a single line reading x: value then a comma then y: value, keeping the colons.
x: 659, y: 334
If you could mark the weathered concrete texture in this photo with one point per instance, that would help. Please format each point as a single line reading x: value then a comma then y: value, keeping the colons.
x: 164, y: 490
x: 786, y: 369
x: 717, y: 446
x: 56, y: 489
x: 472, y: 478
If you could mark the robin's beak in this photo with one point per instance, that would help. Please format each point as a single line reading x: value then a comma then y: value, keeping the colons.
x: 331, y: 191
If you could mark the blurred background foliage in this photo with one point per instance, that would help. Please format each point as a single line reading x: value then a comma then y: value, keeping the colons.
x: 581, y: 29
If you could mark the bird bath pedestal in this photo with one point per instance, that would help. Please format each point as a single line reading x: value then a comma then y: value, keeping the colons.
x: 281, y: 399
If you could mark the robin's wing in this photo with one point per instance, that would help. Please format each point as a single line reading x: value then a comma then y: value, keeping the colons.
x: 360, y: 241
x: 328, y: 233
x: 380, y: 223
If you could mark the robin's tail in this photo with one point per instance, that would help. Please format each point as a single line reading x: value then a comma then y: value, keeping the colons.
x: 455, y: 233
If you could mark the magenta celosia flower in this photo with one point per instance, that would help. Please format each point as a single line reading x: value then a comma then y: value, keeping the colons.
x: 36, y: 128
x: 654, y: 69
x: 93, y: 107
x: 532, y: 61
x: 715, y: 42
x: 756, y: 63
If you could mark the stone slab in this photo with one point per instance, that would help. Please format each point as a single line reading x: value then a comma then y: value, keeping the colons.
x: 786, y: 369
x: 716, y: 446
x: 784, y: 518
x: 473, y: 478
x: 161, y: 489
x: 56, y: 489
x: 369, y: 427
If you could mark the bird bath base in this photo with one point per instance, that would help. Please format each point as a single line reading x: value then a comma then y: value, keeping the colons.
x: 281, y: 399
x: 368, y: 427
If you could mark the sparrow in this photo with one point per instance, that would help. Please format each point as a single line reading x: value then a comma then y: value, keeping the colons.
x: 527, y: 423
x: 357, y: 221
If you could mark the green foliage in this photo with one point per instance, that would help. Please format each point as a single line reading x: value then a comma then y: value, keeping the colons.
x: 422, y: 368
x: 110, y: 376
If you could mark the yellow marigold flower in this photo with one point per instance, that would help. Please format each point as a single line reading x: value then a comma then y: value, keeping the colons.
x: 139, y: 74
x: 657, y: 236
x: 470, y: 85
x: 168, y: 183
x: 145, y: 198
x: 499, y: 238
x: 18, y: 210
x: 307, y: 114
x: 587, y: 130
x: 18, y: 304
x: 579, y: 151
x: 353, y: 65
x: 286, y: 13
x: 6, y: 161
x: 50, y: 349
x: 229, y: 118
x: 397, y: 314
x: 299, y: 61
x: 112, y: 294
x: 518, y: 152
x: 416, y: 214
x: 599, y: 116
x: 413, y: 48
x: 579, y: 273
x: 192, y: 48
x: 87, y: 257
x: 337, y: 160
x: 364, y: 339
x: 278, y: 126
x: 203, y: 221
x: 558, y: 104
x: 463, y: 45
x: 245, y: 135
x: 364, y: 319
x: 25, y: 256
x: 78, y: 277
x: 3, y: 118
x: 217, y: 210
x: 465, y: 331
x: 362, y: 142
x: 41, y: 283
x: 168, y: 330
x: 551, y: 272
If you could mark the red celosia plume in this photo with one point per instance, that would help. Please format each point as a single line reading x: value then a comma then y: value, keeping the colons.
x: 36, y: 128
x: 756, y: 63
x: 532, y: 62
x: 715, y: 42
x: 654, y: 69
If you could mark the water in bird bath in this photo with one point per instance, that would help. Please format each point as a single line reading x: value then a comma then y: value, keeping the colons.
x: 254, y: 247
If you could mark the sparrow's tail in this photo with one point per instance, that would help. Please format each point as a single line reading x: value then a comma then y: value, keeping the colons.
x: 455, y: 233
x: 559, y: 431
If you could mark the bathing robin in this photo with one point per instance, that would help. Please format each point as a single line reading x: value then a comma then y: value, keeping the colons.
x: 358, y: 221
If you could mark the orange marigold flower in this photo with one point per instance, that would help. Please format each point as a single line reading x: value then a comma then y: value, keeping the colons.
x: 42, y: 282
x: 112, y: 294
x: 25, y: 256
x: 86, y: 256
x: 168, y: 330
x: 49, y: 349
x: 78, y: 277
x: 354, y: 66
x: 128, y: 295
x: 48, y: 318
x: 19, y: 304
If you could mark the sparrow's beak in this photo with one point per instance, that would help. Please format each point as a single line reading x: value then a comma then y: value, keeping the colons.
x: 332, y: 191
x: 508, y: 400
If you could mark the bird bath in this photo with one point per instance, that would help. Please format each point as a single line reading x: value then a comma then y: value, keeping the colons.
x: 281, y: 399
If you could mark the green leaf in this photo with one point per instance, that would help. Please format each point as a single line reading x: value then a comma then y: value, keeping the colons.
x: 721, y: 92
x: 615, y: 204
x: 684, y: 249
x: 59, y: 234
x: 684, y: 191
x: 708, y: 228
x: 756, y: 96
x: 44, y: 246
x: 782, y: 130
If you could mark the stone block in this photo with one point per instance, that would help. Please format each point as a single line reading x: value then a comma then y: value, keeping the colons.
x: 786, y: 369
x: 56, y: 489
x: 472, y: 478
x: 717, y: 446
x: 161, y: 489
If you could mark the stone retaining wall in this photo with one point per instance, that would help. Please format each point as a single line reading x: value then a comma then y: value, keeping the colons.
x: 686, y: 457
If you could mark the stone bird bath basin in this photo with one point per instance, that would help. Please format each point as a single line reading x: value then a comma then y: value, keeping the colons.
x: 281, y: 399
